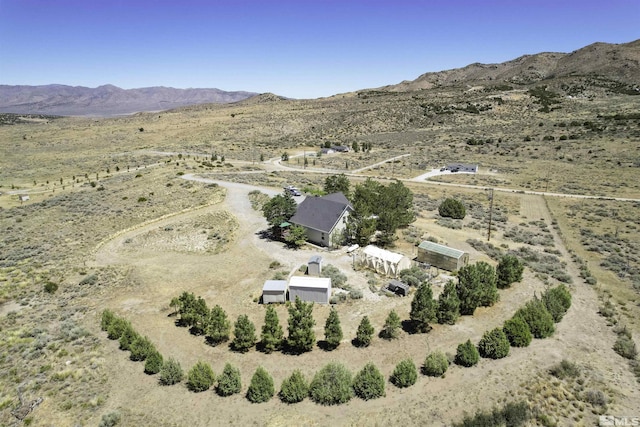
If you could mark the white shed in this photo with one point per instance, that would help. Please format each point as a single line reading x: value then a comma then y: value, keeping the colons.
x: 274, y: 291
x: 383, y: 261
x: 314, y: 267
x: 310, y: 289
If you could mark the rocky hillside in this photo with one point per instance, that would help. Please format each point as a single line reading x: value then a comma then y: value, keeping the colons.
x: 107, y: 100
x: 618, y: 62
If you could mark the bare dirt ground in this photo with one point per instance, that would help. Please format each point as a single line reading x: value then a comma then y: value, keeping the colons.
x: 233, y: 278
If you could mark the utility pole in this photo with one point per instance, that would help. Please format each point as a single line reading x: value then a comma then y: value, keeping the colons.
x: 490, y: 215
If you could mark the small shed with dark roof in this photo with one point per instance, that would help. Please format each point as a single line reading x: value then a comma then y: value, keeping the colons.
x: 441, y: 256
x: 323, y: 218
x: 398, y: 288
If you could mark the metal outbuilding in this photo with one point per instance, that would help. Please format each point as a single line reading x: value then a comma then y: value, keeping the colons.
x: 398, y: 288
x: 274, y: 291
x: 314, y: 267
x: 441, y: 256
x: 310, y: 289
x: 383, y: 261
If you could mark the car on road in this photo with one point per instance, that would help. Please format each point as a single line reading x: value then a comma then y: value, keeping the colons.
x: 292, y: 190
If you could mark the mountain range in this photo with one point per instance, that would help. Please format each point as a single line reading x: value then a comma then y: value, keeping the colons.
x: 612, y: 66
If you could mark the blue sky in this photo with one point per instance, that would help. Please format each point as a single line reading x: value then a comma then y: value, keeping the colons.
x: 295, y: 48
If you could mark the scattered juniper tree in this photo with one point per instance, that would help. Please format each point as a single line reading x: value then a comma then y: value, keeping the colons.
x: 494, y: 344
x: 476, y: 287
x: 219, y: 327
x: 423, y: 308
x: 452, y: 208
x: 448, y: 309
x: 539, y: 320
x: 301, y: 336
x: 153, y: 364
x: 391, y: 328
x: 467, y: 354
x: 517, y: 332
x: 229, y: 381
x: 244, y: 334
x: 141, y: 348
x: 261, y: 388
x: 364, y: 334
x: 294, y: 389
x: 117, y: 327
x: 171, y: 372
x: 272, y: 334
x: 337, y: 183
x: 405, y: 374
x: 557, y: 300
x: 509, y: 271
x: 369, y: 383
x: 436, y: 364
x: 106, y: 319
x: 200, y: 377
x: 129, y: 335
x: 331, y: 385
x: 332, y: 330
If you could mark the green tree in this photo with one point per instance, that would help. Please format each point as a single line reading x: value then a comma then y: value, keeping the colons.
x: 272, y: 334
x: 467, y: 354
x: 476, y: 287
x: 331, y: 385
x: 141, y: 348
x: 557, y: 300
x: 129, y: 335
x: 539, y: 320
x: 405, y: 374
x: 332, y: 330
x: 198, y: 316
x: 448, y: 309
x: 200, y: 377
x: 185, y: 306
x: 153, y: 364
x: 337, y: 184
x: 279, y: 209
x: 354, y: 146
x: 297, y: 236
x: 509, y: 271
x: 436, y: 364
x: 301, y: 336
x: 391, y: 328
x: 452, y: 208
x: 117, y: 327
x: 106, y: 319
x: 244, y: 333
x: 423, y: 308
x: 361, y: 224
x: 369, y: 383
x: 219, y: 327
x: 364, y: 334
x: 494, y: 344
x: 294, y: 389
x: 171, y: 372
x: 517, y: 332
x: 229, y: 381
x: 261, y: 388
x: 394, y: 210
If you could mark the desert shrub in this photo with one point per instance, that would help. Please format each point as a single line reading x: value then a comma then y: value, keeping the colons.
x: 355, y: 294
x: 338, y: 278
x: 50, y: 287
x: 171, y: 372
x: 332, y: 330
x: 364, y: 334
x: 625, y: 347
x: 116, y: 328
x: 539, y: 320
x: 405, y: 374
x: 517, y: 332
x: 91, y: 279
x: 513, y: 414
x: 153, y: 364
x: 261, y: 388
x: 272, y: 334
x: 391, y: 327
x: 508, y: 271
x: 331, y: 385
x: 229, y: 381
x: 452, y: 208
x: 565, y: 369
x: 200, y: 377
x: 494, y: 344
x: 106, y: 319
x: 294, y: 389
x: 467, y: 354
x: 244, y: 334
x: 141, y: 348
x: 111, y: 419
x: 557, y: 300
x: 596, y: 398
x: 413, y: 276
x: 436, y: 364
x: 448, y: 308
x: 369, y: 383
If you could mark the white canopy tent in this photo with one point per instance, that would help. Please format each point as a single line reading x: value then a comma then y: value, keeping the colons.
x: 383, y: 261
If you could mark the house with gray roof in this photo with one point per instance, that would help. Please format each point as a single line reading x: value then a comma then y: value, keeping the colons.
x: 323, y: 218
